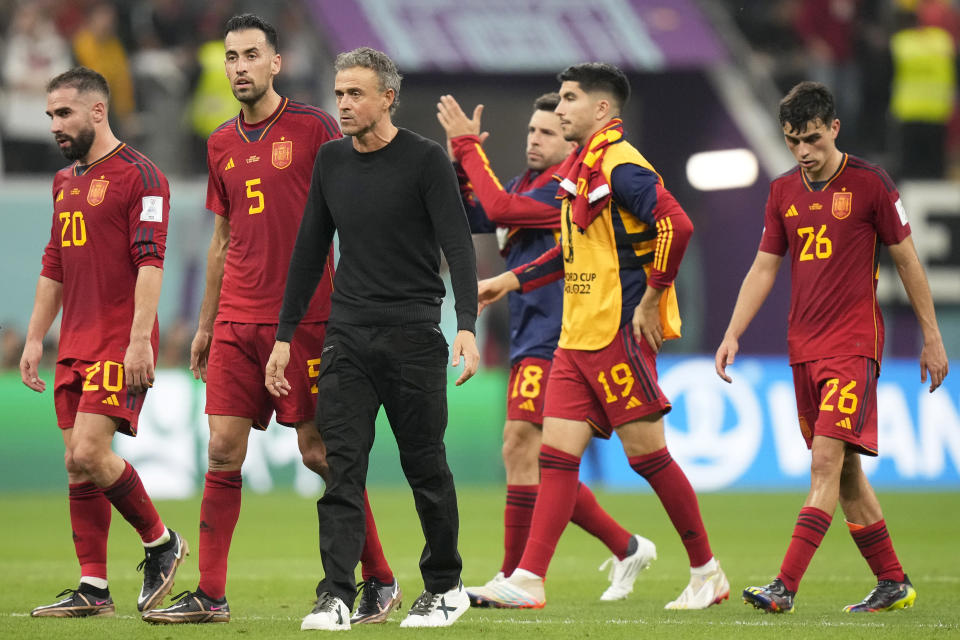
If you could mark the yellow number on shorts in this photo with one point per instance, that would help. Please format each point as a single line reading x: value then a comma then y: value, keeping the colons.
x: 255, y: 194
x: 313, y: 372
x: 92, y: 370
x: 112, y: 370
x: 847, y: 403
x: 530, y: 387
x: 621, y: 375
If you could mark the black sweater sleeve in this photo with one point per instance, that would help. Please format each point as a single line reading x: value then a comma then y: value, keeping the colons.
x: 442, y: 199
x: 309, y: 257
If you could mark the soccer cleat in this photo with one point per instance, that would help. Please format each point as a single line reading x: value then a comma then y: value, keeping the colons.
x: 519, y: 591
x: 886, y: 596
x: 377, y: 601
x: 329, y: 614
x: 773, y: 598
x: 76, y: 605
x: 159, y: 568
x: 191, y: 608
x: 437, y: 609
x: 623, y: 573
x: 703, y: 590
x: 479, y: 595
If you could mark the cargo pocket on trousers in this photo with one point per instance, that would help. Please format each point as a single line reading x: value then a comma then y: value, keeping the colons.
x: 329, y: 401
x: 424, y: 377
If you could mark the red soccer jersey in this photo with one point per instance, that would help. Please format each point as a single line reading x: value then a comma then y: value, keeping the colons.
x: 109, y: 219
x: 259, y: 176
x: 833, y: 231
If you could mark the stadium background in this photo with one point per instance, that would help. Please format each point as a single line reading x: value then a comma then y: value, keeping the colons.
x: 706, y: 77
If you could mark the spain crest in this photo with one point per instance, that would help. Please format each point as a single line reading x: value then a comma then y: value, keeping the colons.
x: 842, y: 204
x: 97, y: 191
x: 282, y: 154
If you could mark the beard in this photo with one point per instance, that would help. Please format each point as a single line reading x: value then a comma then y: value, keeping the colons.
x: 79, y: 145
x: 253, y: 94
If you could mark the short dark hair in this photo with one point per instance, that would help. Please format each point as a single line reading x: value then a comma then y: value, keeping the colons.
x: 807, y: 102
x: 246, y: 21
x: 599, y: 76
x: 388, y: 77
x: 82, y: 79
x: 547, y: 102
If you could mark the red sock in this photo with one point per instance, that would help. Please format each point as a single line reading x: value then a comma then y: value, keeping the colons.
x: 590, y: 516
x: 812, y: 525
x: 516, y: 523
x: 877, y: 549
x: 90, y: 520
x: 373, y: 564
x: 559, y: 476
x: 677, y: 497
x: 131, y: 500
x: 219, y: 512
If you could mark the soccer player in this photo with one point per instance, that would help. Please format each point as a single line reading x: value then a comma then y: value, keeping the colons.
x: 622, y: 238
x: 525, y: 215
x: 259, y: 164
x: 392, y: 197
x: 831, y: 213
x: 104, y: 267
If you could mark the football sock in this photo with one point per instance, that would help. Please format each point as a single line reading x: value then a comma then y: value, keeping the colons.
x: 373, y: 564
x: 812, y: 525
x: 90, y: 520
x: 131, y: 500
x: 516, y: 523
x: 559, y: 477
x: 219, y: 513
x: 670, y: 483
x: 162, y: 540
x: 96, y: 583
x: 96, y: 592
x: 591, y: 517
x: 877, y: 549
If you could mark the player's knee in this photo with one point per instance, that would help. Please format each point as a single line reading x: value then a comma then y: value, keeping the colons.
x: 225, y: 453
x: 73, y: 469
x: 85, y: 458
x: 316, y: 460
x: 520, y: 455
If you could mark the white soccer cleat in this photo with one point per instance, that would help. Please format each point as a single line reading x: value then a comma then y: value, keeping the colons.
x: 479, y: 596
x: 623, y: 573
x: 329, y: 614
x: 437, y: 609
x: 708, y: 585
x: 522, y: 590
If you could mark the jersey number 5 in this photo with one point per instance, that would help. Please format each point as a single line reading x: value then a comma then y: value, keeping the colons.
x: 254, y: 194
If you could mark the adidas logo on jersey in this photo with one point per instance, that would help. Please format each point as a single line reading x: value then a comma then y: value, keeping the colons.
x: 230, y: 165
x: 844, y: 424
x: 792, y: 211
x: 528, y: 406
x: 112, y: 400
x: 633, y: 403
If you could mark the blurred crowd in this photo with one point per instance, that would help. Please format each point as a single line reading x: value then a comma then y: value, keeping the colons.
x: 163, y: 60
x: 892, y: 65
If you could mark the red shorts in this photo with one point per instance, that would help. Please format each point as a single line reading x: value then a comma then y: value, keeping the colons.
x: 88, y: 386
x: 837, y: 398
x: 525, y: 392
x: 607, y: 388
x: 237, y: 367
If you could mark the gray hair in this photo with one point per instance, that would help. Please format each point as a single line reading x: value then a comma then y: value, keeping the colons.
x: 377, y: 61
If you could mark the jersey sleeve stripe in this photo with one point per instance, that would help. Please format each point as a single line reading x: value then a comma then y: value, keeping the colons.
x: 332, y: 129
x: 151, y: 168
x: 139, y: 167
x: 887, y: 182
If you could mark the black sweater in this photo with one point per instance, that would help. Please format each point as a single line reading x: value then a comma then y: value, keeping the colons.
x: 395, y: 209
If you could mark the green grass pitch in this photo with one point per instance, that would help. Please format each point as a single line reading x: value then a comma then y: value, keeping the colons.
x: 274, y: 566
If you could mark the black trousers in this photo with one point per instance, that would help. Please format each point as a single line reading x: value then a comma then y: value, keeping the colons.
x: 402, y: 368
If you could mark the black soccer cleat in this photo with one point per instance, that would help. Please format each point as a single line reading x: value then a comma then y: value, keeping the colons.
x: 159, y: 568
x: 773, y: 598
x: 191, y: 608
x: 377, y: 601
x: 888, y: 595
x: 77, y: 605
